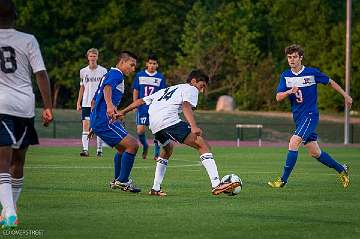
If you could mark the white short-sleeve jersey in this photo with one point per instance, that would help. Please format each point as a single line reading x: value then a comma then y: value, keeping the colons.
x: 20, y: 56
x: 90, y: 79
x: 166, y: 104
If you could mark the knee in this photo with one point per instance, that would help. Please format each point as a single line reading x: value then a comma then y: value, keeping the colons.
x: 295, y: 143
x: 315, y: 153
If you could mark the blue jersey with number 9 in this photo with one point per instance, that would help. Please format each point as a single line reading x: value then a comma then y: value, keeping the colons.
x: 305, y: 99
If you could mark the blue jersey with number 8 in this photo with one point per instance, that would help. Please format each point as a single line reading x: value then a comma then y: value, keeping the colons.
x: 305, y: 99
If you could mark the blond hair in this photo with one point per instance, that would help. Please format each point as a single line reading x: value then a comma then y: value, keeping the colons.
x: 92, y: 50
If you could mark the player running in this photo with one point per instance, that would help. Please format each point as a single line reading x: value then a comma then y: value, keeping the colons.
x: 166, y: 125
x: 299, y: 84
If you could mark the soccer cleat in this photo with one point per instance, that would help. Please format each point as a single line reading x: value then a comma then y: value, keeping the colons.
x: 145, y: 152
x: 112, y: 184
x: 278, y: 183
x: 99, y: 154
x: 84, y: 153
x: 10, y: 222
x: 159, y: 193
x: 225, y: 187
x: 126, y: 187
x: 344, y: 176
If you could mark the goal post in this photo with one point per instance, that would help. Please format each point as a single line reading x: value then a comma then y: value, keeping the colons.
x: 239, y: 132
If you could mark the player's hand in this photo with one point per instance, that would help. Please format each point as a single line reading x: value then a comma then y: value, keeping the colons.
x: 196, y: 130
x: 120, y: 116
x: 78, y: 106
x: 47, y: 117
x: 293, y: 90
x: 111, y: 112
x: 348, y: 100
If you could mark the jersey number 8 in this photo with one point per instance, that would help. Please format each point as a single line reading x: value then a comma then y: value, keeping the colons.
x: 7, y: 59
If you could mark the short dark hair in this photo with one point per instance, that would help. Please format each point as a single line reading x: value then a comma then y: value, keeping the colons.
x: 125, y: 55
x: 294, y: 48
x: 153, y: 57
x: 198, y: 75
x: 7, y: 11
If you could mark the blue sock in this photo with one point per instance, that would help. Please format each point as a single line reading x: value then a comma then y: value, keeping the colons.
x: 117, y: 164
x: 156, y: 148
x: 127, y: 162
x: 143, y: 141
x: 289, y: 165
x: 327, y: 160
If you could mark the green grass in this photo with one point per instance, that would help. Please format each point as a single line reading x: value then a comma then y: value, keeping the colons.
x: 217, y: 126
x: 68, y: 197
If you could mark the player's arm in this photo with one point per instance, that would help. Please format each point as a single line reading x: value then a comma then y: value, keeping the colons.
x: 110, y: 108
x: 135, y: 95
x: 189, y: 116
x: 121, y: 114
x: 44, y: 87
x: 81, y: 93
x: 280, y: 96
x: 347, y: 98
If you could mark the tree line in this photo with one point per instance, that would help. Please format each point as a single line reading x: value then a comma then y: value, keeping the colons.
x: 239, y: 43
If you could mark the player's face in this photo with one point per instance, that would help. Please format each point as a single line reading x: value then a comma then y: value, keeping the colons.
x: 151, y: 66
x: 129, y: 66
x: 92, y: 58
x: 201, y: 85
x: 294, y: 60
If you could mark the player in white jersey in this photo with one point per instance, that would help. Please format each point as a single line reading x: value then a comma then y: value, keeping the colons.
x: 90, y: 78
x: 20, y: 56
x: 166, y: 125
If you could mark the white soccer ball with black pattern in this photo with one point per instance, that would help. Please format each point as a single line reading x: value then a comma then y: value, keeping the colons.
x: 232, y: 178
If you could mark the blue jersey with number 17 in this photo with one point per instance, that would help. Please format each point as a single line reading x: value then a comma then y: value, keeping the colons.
x: 305, y: 100
x: 147, y: 84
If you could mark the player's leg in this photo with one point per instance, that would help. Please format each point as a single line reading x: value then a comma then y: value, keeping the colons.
x: 17, y: 172
x: 99, y: 147
x: 117, y: 166
x: 161, y: 163
x: 324, y: 158
x: 127, y: 161
x: 141, y: 121
x: 156, y: 149
x: 85, y: 115
x: 6, y: 196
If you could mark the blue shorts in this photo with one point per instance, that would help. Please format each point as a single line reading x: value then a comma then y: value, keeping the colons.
x: 177, y: 132
x: 306, y: 127
x: 17, y: 132
x: 142, y: 118
x: 111, y: 133
x: 85, y: 113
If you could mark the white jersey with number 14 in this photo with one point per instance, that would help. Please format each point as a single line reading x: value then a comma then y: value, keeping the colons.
x: 166, y: 104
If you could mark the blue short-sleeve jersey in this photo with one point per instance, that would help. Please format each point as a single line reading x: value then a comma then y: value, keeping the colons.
x: 115, y: 79
x: 305, y: 100
x: 147, y: 84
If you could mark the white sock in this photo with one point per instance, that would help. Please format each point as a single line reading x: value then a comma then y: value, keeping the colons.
x: 208, y: 161
x: 16, y: 184
x: 85, y: 140
x: 6, y: 197
x: 159, y: 173
x: 99, y: 144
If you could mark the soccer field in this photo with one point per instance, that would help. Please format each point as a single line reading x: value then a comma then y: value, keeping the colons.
x: 66, y: 196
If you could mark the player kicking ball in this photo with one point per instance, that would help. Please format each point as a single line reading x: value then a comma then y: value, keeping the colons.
x: 299, y: 84
x: 167, y: 126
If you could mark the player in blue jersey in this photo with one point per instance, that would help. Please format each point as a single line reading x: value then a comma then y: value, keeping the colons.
x: 103, y: 121
x: 147, y: 82
x: 299, y: 84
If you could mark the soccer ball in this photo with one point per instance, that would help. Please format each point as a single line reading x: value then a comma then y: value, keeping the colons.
x: 231, y: 178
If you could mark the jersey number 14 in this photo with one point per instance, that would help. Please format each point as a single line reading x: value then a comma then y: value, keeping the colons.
x: 167, y: 95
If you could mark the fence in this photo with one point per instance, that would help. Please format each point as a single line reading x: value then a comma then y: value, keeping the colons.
x: 273, y: 132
